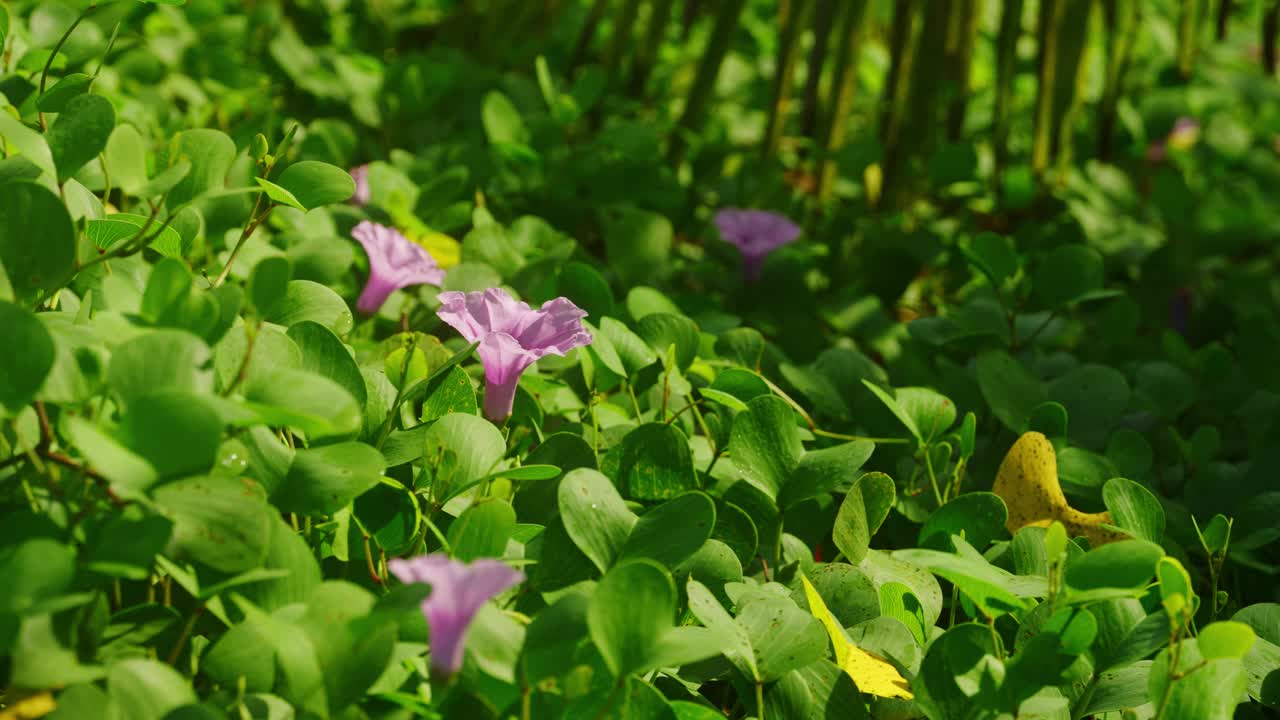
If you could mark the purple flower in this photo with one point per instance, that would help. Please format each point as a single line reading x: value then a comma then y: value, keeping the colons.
x: 1184, y: 134
x: 361, y: 175
x: 512, y: 337
x: 394, y: 262
x: 755, y: 233
x: 458, y: 590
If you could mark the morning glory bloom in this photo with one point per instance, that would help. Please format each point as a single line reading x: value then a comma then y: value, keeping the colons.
x: 458, y: 591
x: 512, y: 337
x: 1185, y: 133
x: 361, y: 176
x: 394, y: 262
x: 755, y: 233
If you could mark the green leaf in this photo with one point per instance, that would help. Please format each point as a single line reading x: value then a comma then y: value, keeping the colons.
x: 453, y: 393
x: 28, y: 360
x: 864, y: 508
x: 1095, y: 397
x: 315, y: 184
x: 673, y: 531
x: 243, y: 654
x: 29, y: 143
x: 783, y: 637
x: 209, y: 154
x: 126, y: 159
x: 502, y: 122
x: 765, y: 444
x: 269, y: 282
x: 305, y: 300
x: 178, y: 433
x: 70, y: 86
x: 1210, y: 692
x: 993, y: 589
x: 126, y: 545
x: 931, y: 413
x: 352, y: 647
x: 222, y: 522
x: 822, y: 471
x: 587, y: 288
x: 1120, y: 689
x: 110, y: 231
x: 287, y: 552
x: 737, y: 649
x: 1068, y: 274
x: 325, y: 355
x: 127, y: 473
x: 631, y: 349
x: 323, y: 480
x: 1134, y: 509
x: 553, y: 637
x: 1009, y: 388
x: 40, y: 569
x: 315, y: 405
x: 979, y: 517
x: 482, y: 530
x: 736, y: 529
x: 161, y: 360
x: 279, y: 195
x: 37, y: 240
x: 594, y: 516
x: 663, y: 330
x: 1123, y: 564
x: 466, y: 446
x: 147, y: 689
x: 960, y: 674
x: 993, y: 255
x: 630, y: 612
x: 80, y: 133
x: 656, y: 463
x: 1225, y: 639
x: 850, y: 595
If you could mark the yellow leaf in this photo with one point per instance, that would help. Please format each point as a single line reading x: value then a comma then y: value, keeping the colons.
x: 872, y: 674
x: 443, y: 248
x: 446, y: 251
x: 1028, y: 483
x: 30, y: 707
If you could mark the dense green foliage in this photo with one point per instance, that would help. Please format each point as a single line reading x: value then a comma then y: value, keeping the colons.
x: 779, y: 482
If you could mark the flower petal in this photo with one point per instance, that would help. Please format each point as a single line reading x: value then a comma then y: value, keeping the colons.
x: 477, y: 314
x: 394, y: 261
x: 555, y: 328
x: 504, y: 358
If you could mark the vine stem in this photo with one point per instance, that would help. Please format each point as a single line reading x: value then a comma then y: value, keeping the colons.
x: 254, y: 222
x: 48, y: 64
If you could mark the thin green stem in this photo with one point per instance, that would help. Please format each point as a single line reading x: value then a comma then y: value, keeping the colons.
x: 933, y: 478
x: 187, y: 627
x: 255, y: 219
x: 842, y: 436
x: 44, y: 74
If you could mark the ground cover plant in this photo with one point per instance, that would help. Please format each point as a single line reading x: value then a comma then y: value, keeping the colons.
x: 639, y: 359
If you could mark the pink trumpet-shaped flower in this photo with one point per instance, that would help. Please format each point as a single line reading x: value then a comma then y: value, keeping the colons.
x: 458, y: 591
x: 394, y: 262
x: 362, y: 195
x: 755, y: 233
x: 512, y: 337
